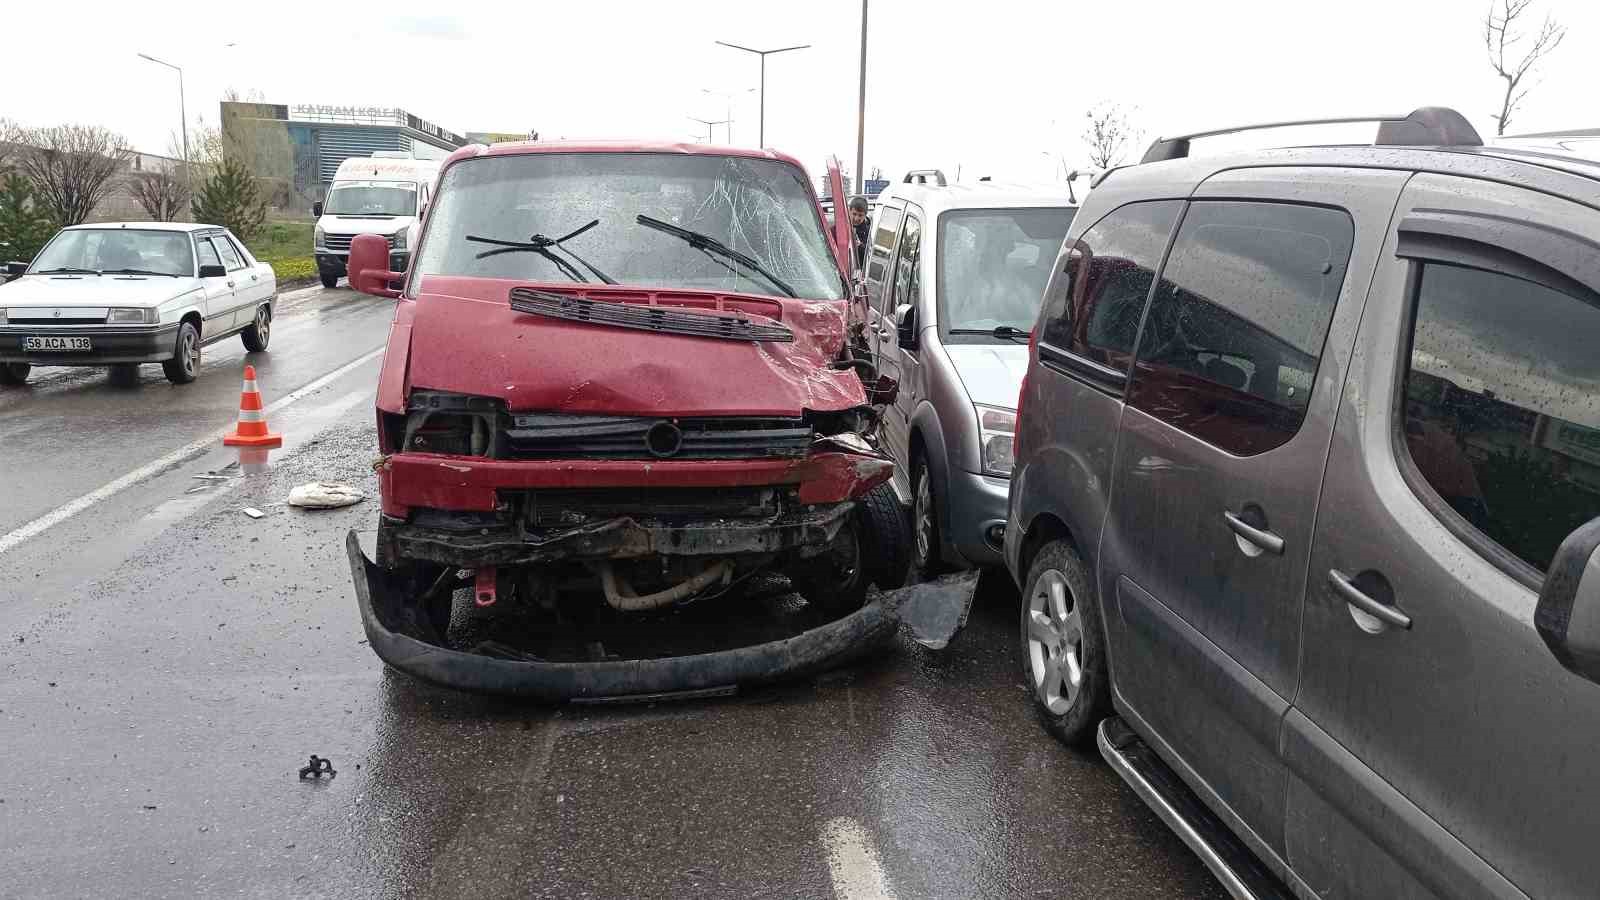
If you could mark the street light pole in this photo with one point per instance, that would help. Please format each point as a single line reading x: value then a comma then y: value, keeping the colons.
x: 727, y: 96
x: 861, y: 111
x: 762, y: 140
x: 183, y: 111
x: 709, y: 124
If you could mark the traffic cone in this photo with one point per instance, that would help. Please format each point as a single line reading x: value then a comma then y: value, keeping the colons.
x: 252, y: 428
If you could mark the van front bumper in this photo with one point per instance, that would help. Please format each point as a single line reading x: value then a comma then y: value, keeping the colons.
x: 976, y: 506
x: 111, y: 344
x: 338, y: 264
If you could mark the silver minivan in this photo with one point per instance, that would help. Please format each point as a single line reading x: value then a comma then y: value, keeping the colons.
x: 954, y: 276
x: 1306, y: 509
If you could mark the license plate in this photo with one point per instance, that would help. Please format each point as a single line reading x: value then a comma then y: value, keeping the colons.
x: 56, y: 343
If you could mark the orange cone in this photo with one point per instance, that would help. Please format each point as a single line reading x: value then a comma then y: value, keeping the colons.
x: 252, y: 428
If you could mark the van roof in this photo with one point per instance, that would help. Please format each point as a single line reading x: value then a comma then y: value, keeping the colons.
x: 380, y: 167
x: 519, y: 148
x: 981, y: 195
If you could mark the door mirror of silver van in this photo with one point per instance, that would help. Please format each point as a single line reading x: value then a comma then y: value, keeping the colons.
x: 1568, y: 614
x: 316, y: 209
x: 905, y: 322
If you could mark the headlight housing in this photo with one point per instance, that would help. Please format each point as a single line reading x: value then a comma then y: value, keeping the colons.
x: 319, y: 239
x: 3, y: 319
x: 997, y: 429
x: 397, y: 241
x: 130, y: 316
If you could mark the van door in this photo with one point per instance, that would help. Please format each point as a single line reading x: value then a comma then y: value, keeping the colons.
x: 840, y: 231
x: 900, y: 363
x: 217, y: 308
x: 1215, y: 484
x: 1437, y: 748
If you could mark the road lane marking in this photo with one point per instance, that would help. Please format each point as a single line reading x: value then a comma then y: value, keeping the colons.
x: 853, y: 862
x: 110, y: 489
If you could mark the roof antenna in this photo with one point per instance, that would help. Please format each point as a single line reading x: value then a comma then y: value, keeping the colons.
x: 1071, y: 197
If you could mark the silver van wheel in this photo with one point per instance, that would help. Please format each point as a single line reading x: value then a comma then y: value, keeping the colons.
x: 1055, y: 642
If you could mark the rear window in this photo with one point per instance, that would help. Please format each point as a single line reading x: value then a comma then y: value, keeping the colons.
x: 583, y: 210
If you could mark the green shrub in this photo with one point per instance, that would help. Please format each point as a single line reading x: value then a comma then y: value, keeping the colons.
x: 231, y: 199
x: 25, y: 224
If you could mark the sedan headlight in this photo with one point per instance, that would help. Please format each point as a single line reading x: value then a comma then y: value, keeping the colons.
x: 319, y: 240
x: 997, y: 429
x: 130, y: 317
x: 397, y: 241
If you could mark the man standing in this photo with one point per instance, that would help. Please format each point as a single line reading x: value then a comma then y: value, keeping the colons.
x: 858, y: 225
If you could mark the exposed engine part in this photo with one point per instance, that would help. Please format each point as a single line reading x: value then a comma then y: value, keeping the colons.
x: 620, y: 594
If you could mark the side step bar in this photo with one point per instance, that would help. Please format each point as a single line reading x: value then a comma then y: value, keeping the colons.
x: 1163, y: 791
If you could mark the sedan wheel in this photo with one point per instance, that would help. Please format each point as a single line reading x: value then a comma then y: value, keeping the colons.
x: 184, y: 366
x: 259, y: 333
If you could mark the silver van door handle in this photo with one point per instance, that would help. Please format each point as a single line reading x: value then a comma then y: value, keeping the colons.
x: 1349, y: 593
x: 1266, y: 540
x: 230, y: 282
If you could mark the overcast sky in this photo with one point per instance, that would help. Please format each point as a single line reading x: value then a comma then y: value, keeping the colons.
x: 996, y: 87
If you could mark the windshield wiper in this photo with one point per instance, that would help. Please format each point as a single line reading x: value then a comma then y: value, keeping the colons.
x: 67, y: 270
x: 1003, y: 331
x: 711, y: 246
x: 541, y: 245
x: 137, y: 272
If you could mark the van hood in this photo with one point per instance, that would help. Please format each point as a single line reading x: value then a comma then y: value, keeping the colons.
x: 94, y: 290
x: 385, y: 225
x: 992, y: 374
x: 467, y: 339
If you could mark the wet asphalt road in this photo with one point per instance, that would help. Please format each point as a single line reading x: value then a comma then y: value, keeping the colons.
x: 169, y: 663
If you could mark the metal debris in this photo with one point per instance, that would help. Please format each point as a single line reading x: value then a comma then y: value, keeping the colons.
x: 253, y: 513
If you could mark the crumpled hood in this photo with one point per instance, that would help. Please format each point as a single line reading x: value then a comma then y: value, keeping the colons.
x: 467, y: 339
x: 992, y: 374
x: 94, y: 290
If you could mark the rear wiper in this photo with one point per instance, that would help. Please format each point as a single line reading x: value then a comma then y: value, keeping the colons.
x: 67, y: 270
x: 711, y: 246
x: 137, y: 272
x: 1003, y: 331
x: 541, y: 245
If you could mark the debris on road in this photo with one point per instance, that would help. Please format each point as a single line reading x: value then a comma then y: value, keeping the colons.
x: 317, y: 768
x: 253, y: 513
x: 325, y: 495
x: 936, y: 610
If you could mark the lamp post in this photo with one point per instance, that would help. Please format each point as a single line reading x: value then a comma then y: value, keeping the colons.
x: 709, y: 124
x: 762, y: 132
x: 183, y: 112
x: 861, y: 110
x: 728, y: 96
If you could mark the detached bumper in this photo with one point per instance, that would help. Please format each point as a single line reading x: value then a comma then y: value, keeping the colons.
x: 113, y: 345
x: 397, y: 639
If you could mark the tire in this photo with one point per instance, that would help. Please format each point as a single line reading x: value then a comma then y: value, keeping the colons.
x: 1071, y: 629
x: 259, y: 332
x: 184, y: 366
x: 14, y: 374
x: 927, y: 547
x: 871, y: 548
x: 328, y: 281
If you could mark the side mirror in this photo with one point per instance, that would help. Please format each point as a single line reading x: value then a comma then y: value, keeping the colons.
x: 905, y: 322
x: 316, y: 209
x: 213, y: 271
x: 369, y: 266
x: 1568, y: 614
x: 16, y: 268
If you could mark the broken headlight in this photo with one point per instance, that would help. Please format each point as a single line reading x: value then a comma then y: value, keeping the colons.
x: 453, y: 424
x: 997, y: 430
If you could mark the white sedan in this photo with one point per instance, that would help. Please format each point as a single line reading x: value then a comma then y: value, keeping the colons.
x: 133, y: 292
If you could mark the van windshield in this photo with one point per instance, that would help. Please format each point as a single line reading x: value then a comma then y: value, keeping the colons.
x: 993, y: 266
x: 371, y: 198
x: 577, y: 215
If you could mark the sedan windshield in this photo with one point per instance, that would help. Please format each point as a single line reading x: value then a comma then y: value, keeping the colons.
x: 993, y: 265
x: 371, y: 198
x: 100, y: 250
x: 659, y: 220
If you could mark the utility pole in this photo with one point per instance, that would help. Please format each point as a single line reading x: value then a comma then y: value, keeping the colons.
x: 709, y: 124
x: 727, y: 96
x: 762, y: 140
x: 861, y: 110
x: 183, y: 112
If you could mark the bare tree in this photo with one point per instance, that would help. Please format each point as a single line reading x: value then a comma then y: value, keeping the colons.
x: 1108, y: 134
x: 8, y: 142
x: 72, y: 166
x: 1501, y: 33
x: 163, y: 193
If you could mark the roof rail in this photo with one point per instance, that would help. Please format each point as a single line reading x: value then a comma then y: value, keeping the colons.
x: 1430, y: 126
x: 921, y: 176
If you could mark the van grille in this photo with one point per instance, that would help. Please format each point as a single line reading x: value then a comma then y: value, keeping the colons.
x: 546, y: 436
x: 340, y: 243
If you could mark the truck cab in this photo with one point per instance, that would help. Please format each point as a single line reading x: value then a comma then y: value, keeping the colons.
x: 372, y: 195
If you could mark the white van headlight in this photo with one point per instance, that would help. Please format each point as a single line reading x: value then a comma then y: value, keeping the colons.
x: 319, y: 240
x: 397, y: 241
x: 997, y: 429
x: 130, y: 316
x: 3, y: 319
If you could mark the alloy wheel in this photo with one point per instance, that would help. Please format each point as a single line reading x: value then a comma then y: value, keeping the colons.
x: 1055, y: 643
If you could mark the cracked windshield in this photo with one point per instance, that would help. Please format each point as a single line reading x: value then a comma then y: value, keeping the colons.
x: 713, y: 449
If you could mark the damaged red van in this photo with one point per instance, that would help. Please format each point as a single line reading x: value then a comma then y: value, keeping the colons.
x: 623, y: 380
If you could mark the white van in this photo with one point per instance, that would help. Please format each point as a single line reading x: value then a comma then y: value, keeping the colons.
x: 372, y: 195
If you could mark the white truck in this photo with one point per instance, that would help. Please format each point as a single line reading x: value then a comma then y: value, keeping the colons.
x: 372, y: 195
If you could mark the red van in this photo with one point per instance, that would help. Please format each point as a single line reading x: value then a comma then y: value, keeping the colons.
x: 623, y: 379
